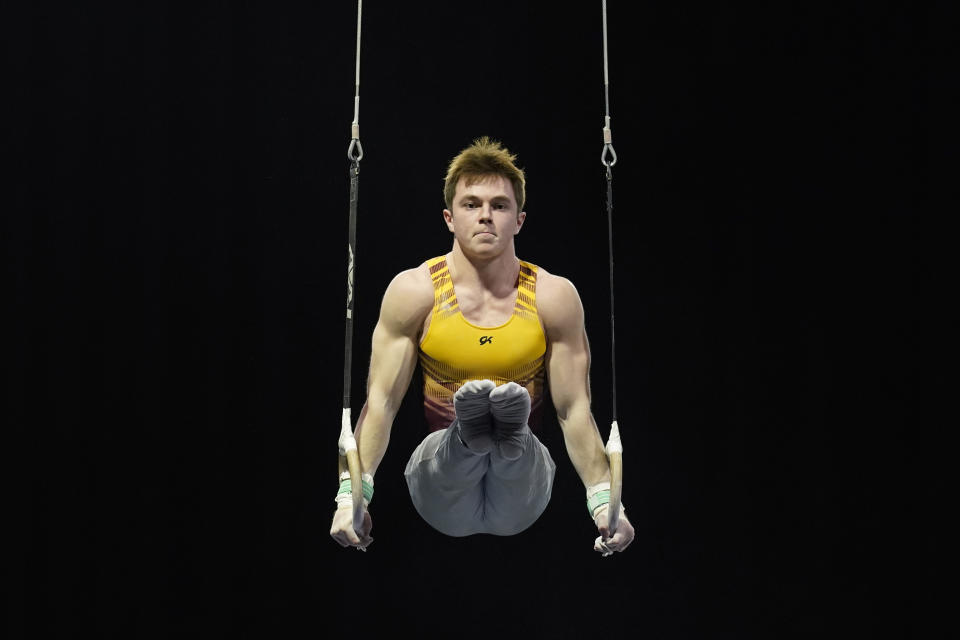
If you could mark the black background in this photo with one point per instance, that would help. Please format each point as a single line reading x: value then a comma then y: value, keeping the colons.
x: 174, y: 243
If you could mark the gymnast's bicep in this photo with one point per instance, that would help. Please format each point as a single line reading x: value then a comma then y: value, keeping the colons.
x: 393, y: 354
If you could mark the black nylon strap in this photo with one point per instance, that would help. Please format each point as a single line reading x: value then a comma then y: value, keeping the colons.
x: 613, y: 343
x: 351, y: 261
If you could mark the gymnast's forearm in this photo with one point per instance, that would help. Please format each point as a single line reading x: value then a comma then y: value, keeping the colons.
x: 373, y: 435
x: 584, y: 446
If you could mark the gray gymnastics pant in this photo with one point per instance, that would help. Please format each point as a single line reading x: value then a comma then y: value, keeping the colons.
x: 460, y: 493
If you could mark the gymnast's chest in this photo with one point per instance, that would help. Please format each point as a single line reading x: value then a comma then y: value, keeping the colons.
x: 486, y: 311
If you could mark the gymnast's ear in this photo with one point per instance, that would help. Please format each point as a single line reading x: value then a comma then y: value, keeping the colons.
x: 448, y: 218
x: 520, y: 219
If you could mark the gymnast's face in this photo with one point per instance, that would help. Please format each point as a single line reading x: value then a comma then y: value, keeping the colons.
x: 484, y: 218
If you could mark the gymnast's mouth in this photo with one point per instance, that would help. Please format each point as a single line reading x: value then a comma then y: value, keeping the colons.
x: 488, y: 233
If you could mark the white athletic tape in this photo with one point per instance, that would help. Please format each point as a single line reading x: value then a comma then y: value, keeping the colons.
x: 597, y: 488
x: 604, y: 549
x: 366, y: 477
x: 602, y: 486
x: 592, y: 491
x: 346, y: 441
x: 613, y: 442
x: 345, y: 500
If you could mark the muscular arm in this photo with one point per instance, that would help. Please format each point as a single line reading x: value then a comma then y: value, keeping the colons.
x: 393, y: 356
x: 568, y: 367
x: 568, y: 371
x: 405, y: 306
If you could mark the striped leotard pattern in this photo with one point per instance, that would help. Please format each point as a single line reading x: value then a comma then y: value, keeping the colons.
x: 455, y: 351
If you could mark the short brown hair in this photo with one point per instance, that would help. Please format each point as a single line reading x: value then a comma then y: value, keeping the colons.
x: 485, y: 157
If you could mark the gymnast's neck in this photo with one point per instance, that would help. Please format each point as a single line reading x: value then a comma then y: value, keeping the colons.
x: 492, y: 273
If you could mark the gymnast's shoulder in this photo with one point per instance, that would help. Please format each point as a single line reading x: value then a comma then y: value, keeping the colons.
x: 558, y: 301
x: 409, y: 297
x: 555, y: 290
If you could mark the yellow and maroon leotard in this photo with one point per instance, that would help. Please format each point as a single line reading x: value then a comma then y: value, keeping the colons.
x: 455, y: 351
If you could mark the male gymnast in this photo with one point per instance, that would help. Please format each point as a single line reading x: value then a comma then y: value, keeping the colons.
x: 489, y: 330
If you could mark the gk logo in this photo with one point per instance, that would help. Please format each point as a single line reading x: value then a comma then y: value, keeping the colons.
x: 486, y: 339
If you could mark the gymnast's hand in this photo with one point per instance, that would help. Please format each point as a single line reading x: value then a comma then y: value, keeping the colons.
x: 621, y: 538
x: 342, y: 528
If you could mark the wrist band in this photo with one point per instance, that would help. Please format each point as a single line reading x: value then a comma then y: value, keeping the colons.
x: 345, y: 493
x: 597, y: 500
x: 597, y: 496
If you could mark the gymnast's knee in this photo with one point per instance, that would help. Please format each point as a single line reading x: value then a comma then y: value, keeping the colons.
x: 510, y: 524
x: 455, y: 528
x: 507, y: 527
